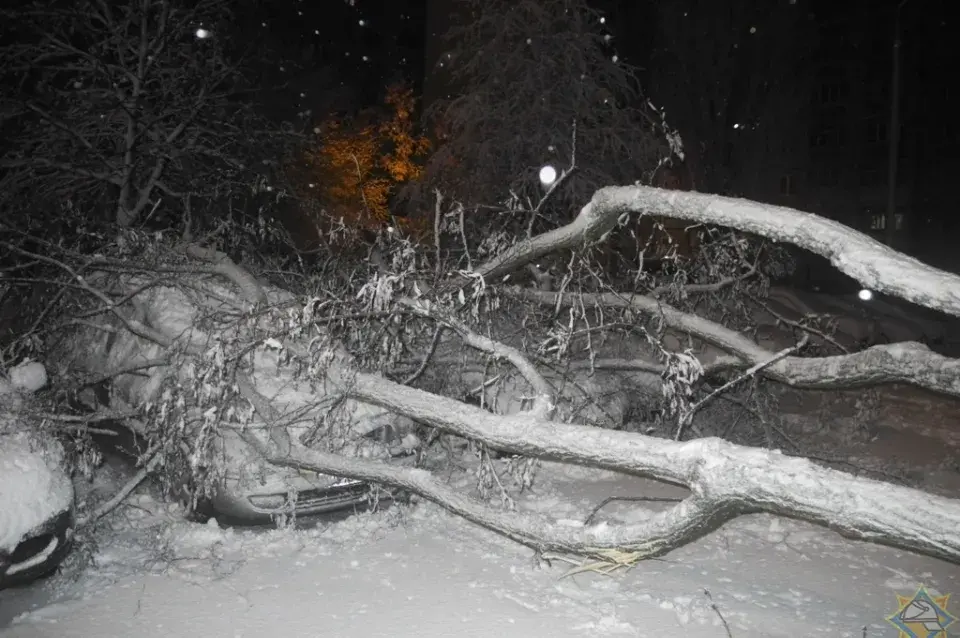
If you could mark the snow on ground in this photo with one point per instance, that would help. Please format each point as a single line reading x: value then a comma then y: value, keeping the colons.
x: 418, y: 571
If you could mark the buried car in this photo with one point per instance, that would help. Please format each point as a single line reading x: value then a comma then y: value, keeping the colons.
x: 192, y: 406
x: 36, y: 493
x: 230, y: 480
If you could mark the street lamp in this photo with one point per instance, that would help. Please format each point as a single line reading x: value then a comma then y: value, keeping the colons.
x: 548, y: 175
x: 893, y: 148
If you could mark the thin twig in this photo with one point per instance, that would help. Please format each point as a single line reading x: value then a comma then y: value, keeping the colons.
x: 748, y: 373
x: 711, y: 287
x: 463, y: 238
x: 95, y: 417
x: 132, y: 325
x: 426, y: 358
x: 716, y: 609
x: 153, y: 458
x: 798, y: 324
x: 436, y: 230
x: 553, y: 187
x: 363, y: 195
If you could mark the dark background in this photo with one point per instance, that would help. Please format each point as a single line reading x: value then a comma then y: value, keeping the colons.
x: 836, y: 166
x: 819, y: 140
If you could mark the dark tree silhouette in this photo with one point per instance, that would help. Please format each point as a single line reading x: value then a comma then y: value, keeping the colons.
x: 116, y: 106
x: 523, y: 84
x: 731, y: 77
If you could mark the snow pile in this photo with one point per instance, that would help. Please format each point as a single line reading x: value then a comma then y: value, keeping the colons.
x: 29, y: 377
x: 34, y: 486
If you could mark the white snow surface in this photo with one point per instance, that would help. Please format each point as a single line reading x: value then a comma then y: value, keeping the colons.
x: 27, y: 377
x: 419, y: 571
x: 34, y: 486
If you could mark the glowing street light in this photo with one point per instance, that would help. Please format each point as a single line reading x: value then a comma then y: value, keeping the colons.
x: 202, y: 34
x: 548, y: 175
x: 865, y: 295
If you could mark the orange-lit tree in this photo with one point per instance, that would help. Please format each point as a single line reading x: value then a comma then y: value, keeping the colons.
x: 360, y: 161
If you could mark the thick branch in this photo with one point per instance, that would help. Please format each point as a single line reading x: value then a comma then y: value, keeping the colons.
x: 251, y: 290
x: 911, y: 363
x: 543, y: 405
x: 725, y: 480
x: 658, y: 535
x: 851, y: 252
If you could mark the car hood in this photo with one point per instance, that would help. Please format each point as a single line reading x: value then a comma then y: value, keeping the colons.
x: 34, y: 486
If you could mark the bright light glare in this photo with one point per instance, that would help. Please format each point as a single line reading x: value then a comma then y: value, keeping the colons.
x: 548, y: 175
x: 865, y: 295
x: 202, y: 34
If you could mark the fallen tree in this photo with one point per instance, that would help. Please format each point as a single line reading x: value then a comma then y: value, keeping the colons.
x: 222, y: 355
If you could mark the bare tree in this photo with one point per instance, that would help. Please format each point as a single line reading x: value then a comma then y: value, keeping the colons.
x: 732, y: 78
x: 119, y: 104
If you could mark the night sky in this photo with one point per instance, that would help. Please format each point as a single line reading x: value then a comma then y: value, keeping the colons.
x: 370, y: 42
x: 367, y: 42
x: 359, y: 46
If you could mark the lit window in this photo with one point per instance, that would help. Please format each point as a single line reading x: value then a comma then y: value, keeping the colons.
x: 787, y: 185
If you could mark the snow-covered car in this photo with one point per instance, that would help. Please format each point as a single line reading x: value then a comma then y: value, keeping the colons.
x: 251, y: 491
x: 36, y: 493
x: 192, y: 402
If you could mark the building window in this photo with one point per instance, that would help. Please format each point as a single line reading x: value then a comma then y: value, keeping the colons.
x: 879, y: 222
x: 870, y: 177
x: 828, y: 176
x: 827, y: 138
x: 787, y: 187
x: 876, y: 130
x: 829, y: 93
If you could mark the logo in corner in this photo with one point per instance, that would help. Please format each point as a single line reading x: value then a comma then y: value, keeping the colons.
x: 922, y: 615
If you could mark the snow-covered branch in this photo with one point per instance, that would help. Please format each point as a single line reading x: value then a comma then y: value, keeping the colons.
x: 543, y: 404
x: 853, y: 253
x: 911, y: 363
x: 725, y: 480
